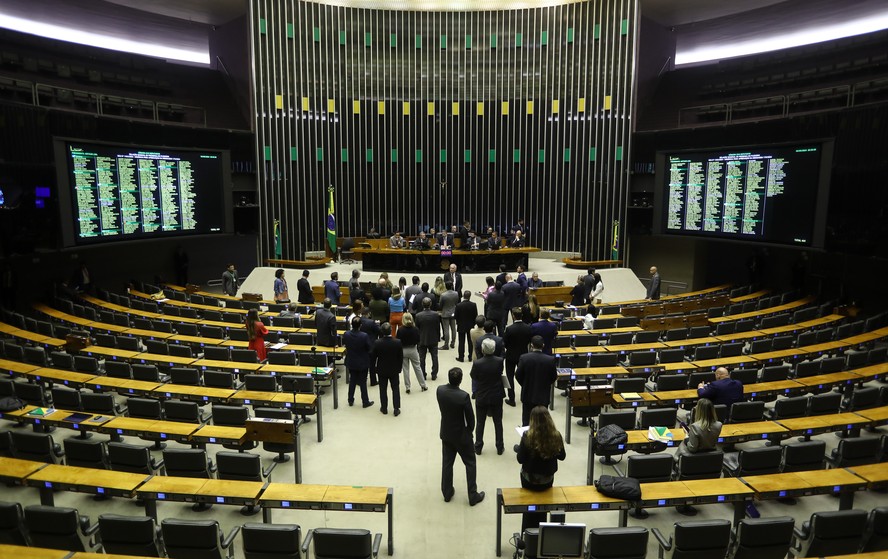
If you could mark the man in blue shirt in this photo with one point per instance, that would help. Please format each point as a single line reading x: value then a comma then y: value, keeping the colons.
x: 331, y: 288
x: 724, y: 390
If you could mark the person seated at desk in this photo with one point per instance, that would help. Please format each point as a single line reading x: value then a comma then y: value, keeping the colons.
x: 445, y: 240
x: 289, y: 312
x: 373, y: 234
x: 422, y: 242
x: 700, y: 436
x: 724, y: 390
x: 493, y: 243
x: 539, y: 451
x: 433, y: 239
x: 534, y: 282
x: 397, y: 241
x: 473, y: 242
x: 589, y: 317
x: 517, y: 240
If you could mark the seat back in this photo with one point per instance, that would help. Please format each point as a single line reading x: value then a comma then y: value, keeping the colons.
x: 731, y: 350
x: 86, y: 453
x: 65, y: 398
x: 657, y: 417
x: 157, y: 346
x: 648, y: 336
x: 807, y: 369
x: 827, y: 403
x: 135, y: 459
x: 781, y: 342
x: 231, y: 416
x: 185, y: 375
x: 699, y: 332
x: 244, y: 355
x: 745, y: 376
x: 676, y: 334
x: 745, y: 412
x: 98, y: 403
x: 31, y: 393
x: 260, y: 382
x: 303, y: 384
x: 144, y: 408
x: 281, y: 358
x: 832, y: 365
x: 342, y: 543
x: 240, y: 466
x: 763, y: 538
x: 834, y: 533
x: 12, y: 524
x: 649, y: 468
x: 187, y: 462
x: 175, y: 410
x: 628, y: 385
x: 192, y: 539
x: 642, y: 358
x: 876, y: 538
x: 271, y: 541
x: 701, y: 539
x: 604, y: 359
x: 702, y: 465
x: 775, y: 372
x: 146, y: 372
x: 786, y: 408
x: 217, y: 353
x: 118, y: 369
x: 36, y: 356
x: 676, y: 355
x: 807, y: 455
x: 694, y: 379
x: 130, y: 535
x: 624, y: 419
x: 759, y: 461
x: 56, y: 528
x: 855, y: 452
x: 863, y: 398
x: 218, y: 379
x: 672, y: 382
x: 39, y: 447
x: 702, y: 353
x: 180, y: 350
x: 128, y: 343
x: 761, y: 346
x: 62, y: 360
x: 624, y: 543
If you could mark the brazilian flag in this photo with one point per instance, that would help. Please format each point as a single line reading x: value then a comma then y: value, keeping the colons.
x: 615, y: 247
x: 277, y: 239
x: 331, y: 221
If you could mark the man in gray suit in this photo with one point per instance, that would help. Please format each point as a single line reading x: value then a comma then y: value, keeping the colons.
x: 457, y: 422
x: 447, y: 304
x: 487, y: 373
x: 653, y: 291
x: 429, y: 324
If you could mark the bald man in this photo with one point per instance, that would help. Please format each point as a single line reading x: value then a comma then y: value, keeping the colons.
x: 724, y: 390
x: 653, y: 291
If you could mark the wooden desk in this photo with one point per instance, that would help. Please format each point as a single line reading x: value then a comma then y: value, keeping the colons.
x: 828, y: 381
x: 713, y: 364
x: 124, y: 386
x: 193, y: 393
x: 230, y: 366
x: 636, y: 440
x: 320, y: 374
x: 220, y: 434
x: 757, y: 430
x: 83, y: 480
x: 15, y: 470
x: 59, y: 376
x: 764, y: 312
x: 57, y: 417
x: 679, y: 367
x: 749, y: 336
x: 197, y: 490
x: 329, y: 497
x: 792, y: 355
x: 764, y: 389
x: 871, y: 372
x: 111, y: 353
x: 647, y: 398
x: 878, y: 416
x: 876, y: 475
x: 304, y: 403
x: 379, y: 259
x: 23, y: 552
x: 778, y: 486
x: 163, y: 360
x: 150, y: 429
x: 692, y: 342
x: 16, y: 367
x: 150, y: 334
x: 833, y: 481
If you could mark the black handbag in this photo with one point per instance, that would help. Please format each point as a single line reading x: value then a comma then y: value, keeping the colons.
x: 611, y: 436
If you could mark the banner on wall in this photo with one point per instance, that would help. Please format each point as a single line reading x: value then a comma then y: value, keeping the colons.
x: 278, y: 250
x: 615, y: 246
x: 331, y: 221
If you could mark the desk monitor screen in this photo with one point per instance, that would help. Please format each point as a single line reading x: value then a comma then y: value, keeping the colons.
x: 557, y: 541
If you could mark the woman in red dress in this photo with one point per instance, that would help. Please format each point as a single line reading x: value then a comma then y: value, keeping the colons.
x: 256, y: 333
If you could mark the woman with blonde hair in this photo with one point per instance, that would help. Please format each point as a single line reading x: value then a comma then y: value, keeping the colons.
x: 531, y: 311
x: 539, y: 451
x: 408, y: 333
x: 702, y: 434
x: 440, y: 288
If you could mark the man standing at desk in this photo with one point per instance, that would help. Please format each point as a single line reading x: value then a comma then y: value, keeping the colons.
x: 229, y: 281
x: 325, y: 322
x: 546, y: 329
x: 331, y: 288
x: 536, y: 373
x: 724, y: 390
x: 653, y: 291
x: 457, y: 422
x: 306, y: 297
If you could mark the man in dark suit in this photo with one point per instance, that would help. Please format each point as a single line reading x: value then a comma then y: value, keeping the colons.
x: 588, y: 284
x: 445, y: 240
x: 386, y: 359
x: 535, y: 373
x: 516, y: 341
x: 546, y: 329
x: 371, y: 328
x: 452, y: 275
x: 304, y: 288
x: 429, y: 324
x: 457, y: 422
x: 494, y: 242
x: 513, y: 293
x: 487, y: 372
x: 489, y: 333
x: 496, y: 308
x: 424, y: 295
x: 653, y: 290
x: 724, y: 390
x: 517, y: 240
x: 331, y: 288
x: 357, y: 361
x: 325, y: 323
x: 466, y: 312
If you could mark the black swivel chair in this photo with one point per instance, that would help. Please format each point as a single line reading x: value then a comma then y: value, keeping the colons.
x: 617, y: 543
x: 676, y: 355
x: 244, y: 355
x: 855, y: 452
x: 130, y: 535
x: 648, y: 468
x: 272, y: 541
x: 746, y: 412
x: 624, y: 419
x: 123, y: 457
x: 342, y: 543
x: 876, y: 535
x: 240, y: 466
x: 12, y: 524
x: 753, y: 461
x: 118, y: 369
x: 830, y: 533
x: 787, y: 408
x: 190, y: 462
x: 702, y: 465
x: 657, y: 417
x: 696, y: 539
x: 281, y: 358
x: 763, y: 538
x: 263, y: 383
x: 39, y: 447
x: 60, y: 528
x: 802, y: 456
x: 86, y: 453
x: 197, y: 539
x: 185, y: 375
x: 232, y: 416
